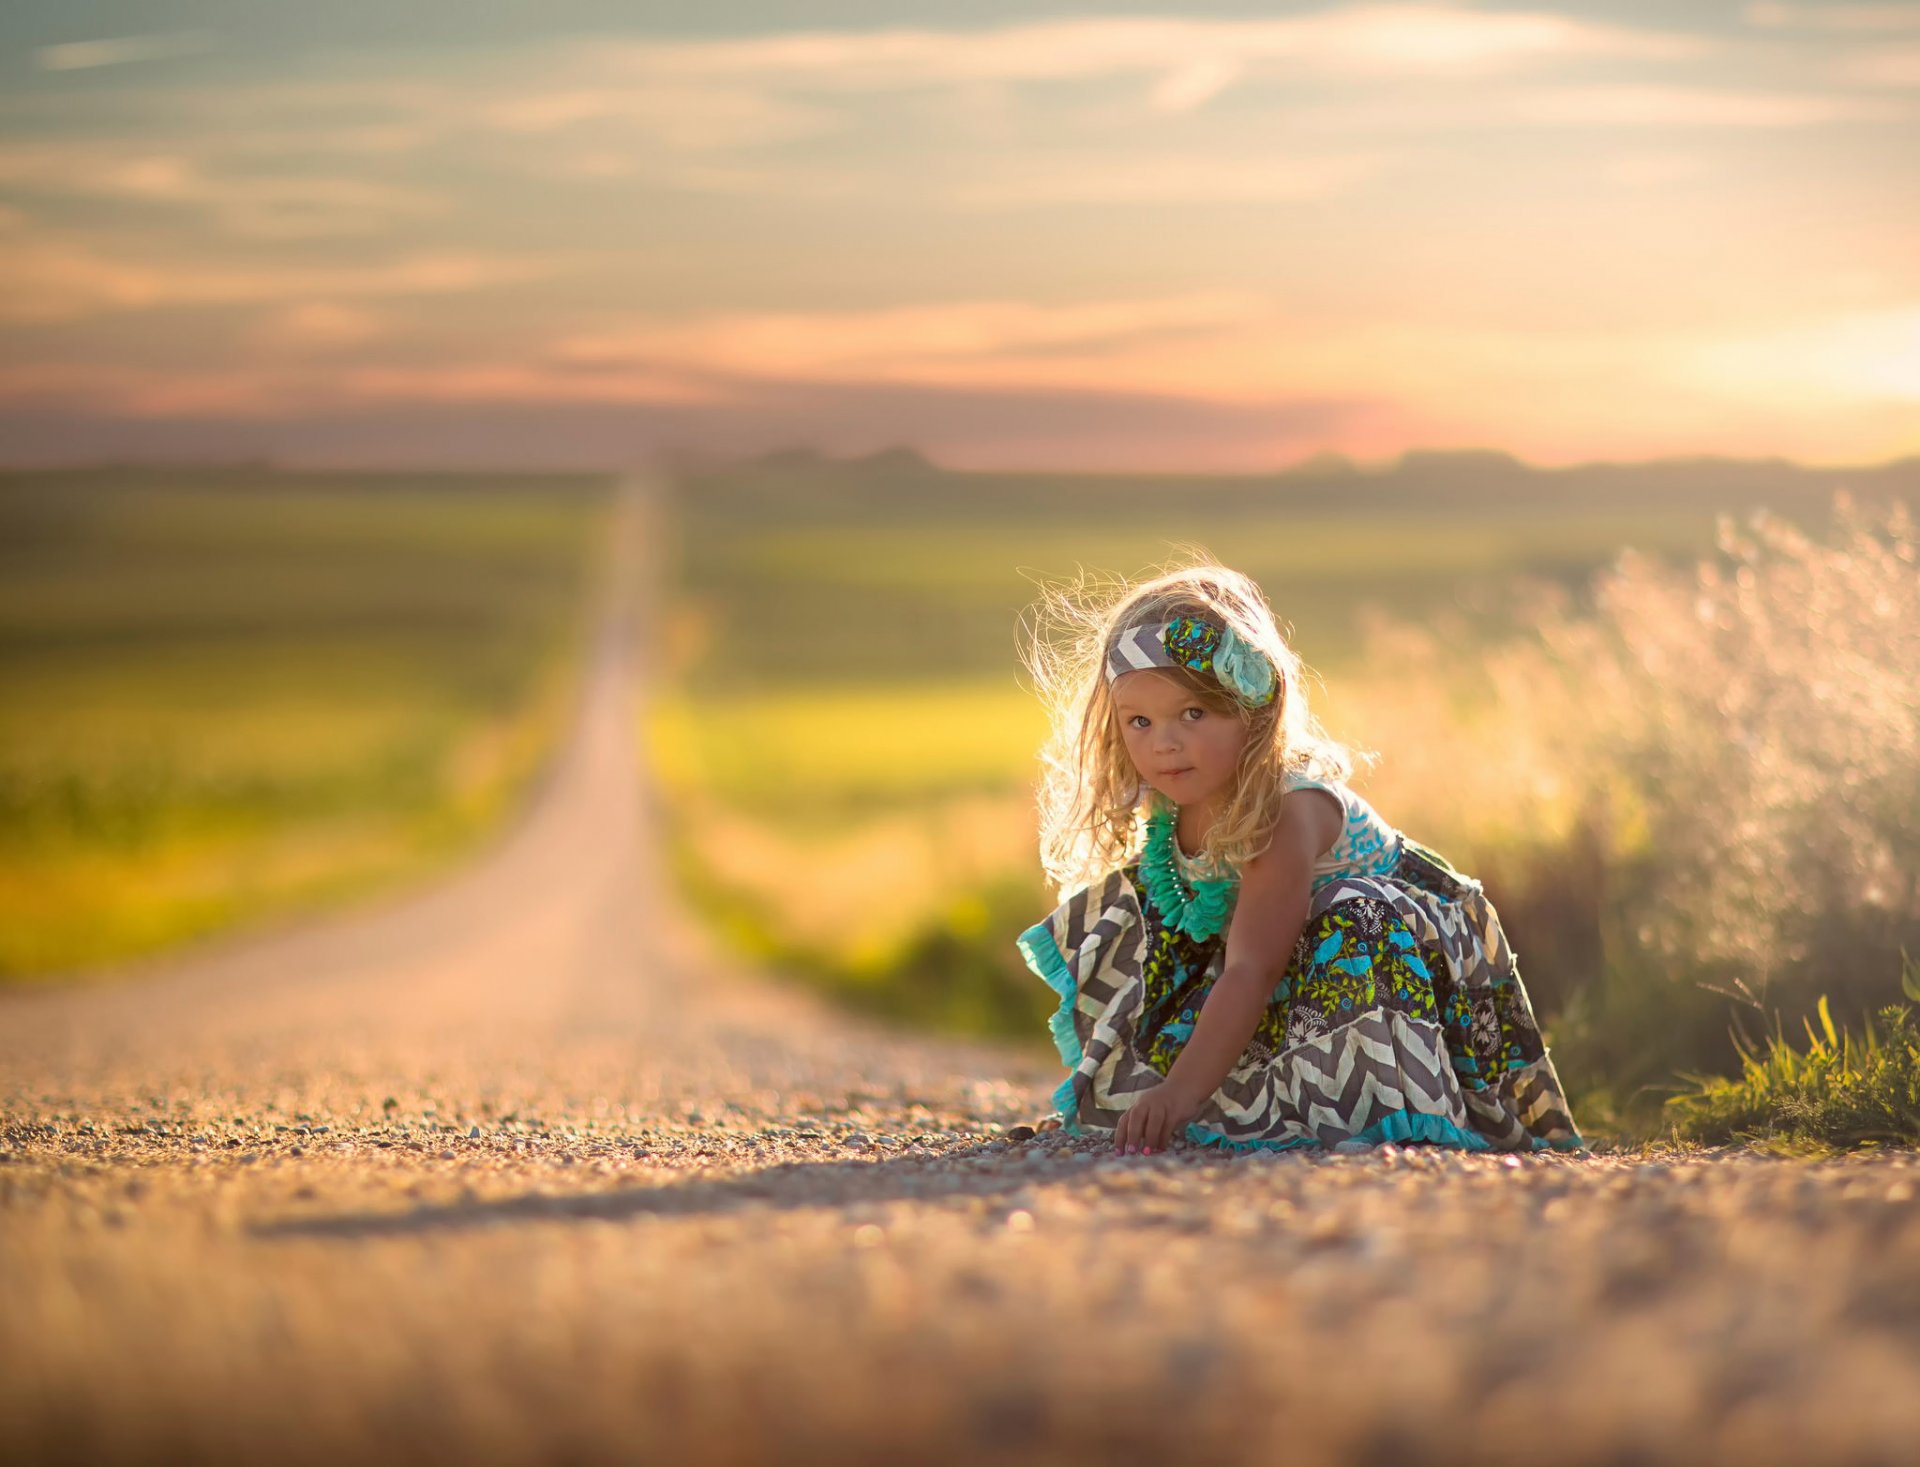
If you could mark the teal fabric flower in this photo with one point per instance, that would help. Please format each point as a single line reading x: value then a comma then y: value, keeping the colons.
x: 1243, y: 670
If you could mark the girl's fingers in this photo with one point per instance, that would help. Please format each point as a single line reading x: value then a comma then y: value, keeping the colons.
x: 1146, y: 1127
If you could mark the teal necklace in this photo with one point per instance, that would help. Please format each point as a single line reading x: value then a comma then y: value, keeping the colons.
x: 1197, y: 908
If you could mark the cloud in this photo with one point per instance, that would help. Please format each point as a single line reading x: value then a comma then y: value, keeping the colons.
x: 693, y: 118
x: 1156, y: 179
x: 842, y: 169
x: 1194, y: 84
x: 122, y: 51
x: 250, y: 205
x: 1006, y: 383
x: 995, y: 342
x: 296, y: 389
x: 1368, y: 40
x: 1660, y: 106
x: 524, y: 382
x: 1128, y: 345
x: 55, y: 278
x: 140, y: 392
x: 1883, y: 66
x: 353, y: 140
x: 985, y: 429
x: 1849, y: 19
x: 320, y: 326
x: 1640, y: 170
x: 1860, y: 355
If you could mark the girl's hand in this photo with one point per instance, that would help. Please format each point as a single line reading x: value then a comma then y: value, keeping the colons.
x: 1153, y: 1119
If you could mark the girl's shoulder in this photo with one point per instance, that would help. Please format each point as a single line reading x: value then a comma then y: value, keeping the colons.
x: 1293, y: 780
x: 1318, y: 820
x: 1365, y: 844
x: 1352, y: 804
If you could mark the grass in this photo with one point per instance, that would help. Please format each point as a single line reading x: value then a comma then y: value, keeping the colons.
x: 228, y: 695
x: 829, y: 752
x: 935, y: 960
x: 1841, y: 1092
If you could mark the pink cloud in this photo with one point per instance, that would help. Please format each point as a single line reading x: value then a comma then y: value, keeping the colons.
x: 55, y: 277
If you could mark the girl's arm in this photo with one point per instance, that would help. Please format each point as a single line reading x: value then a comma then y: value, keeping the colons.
x: 1275, y: 889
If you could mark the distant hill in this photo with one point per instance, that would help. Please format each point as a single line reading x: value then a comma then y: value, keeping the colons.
x: 1458, y: 462
x: 897, y: 461
x: 902, y: 485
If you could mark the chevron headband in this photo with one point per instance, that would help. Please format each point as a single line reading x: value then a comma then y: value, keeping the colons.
x: 1199, y: 646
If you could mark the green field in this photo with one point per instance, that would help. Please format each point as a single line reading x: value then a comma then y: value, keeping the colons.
x: 800, y: 754
x: 878, y: 571
x: 228, y: 694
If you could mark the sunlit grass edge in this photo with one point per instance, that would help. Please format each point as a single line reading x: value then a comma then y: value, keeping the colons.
x: 1842, y: 1091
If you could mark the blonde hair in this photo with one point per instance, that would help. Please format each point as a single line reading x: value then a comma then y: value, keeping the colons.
x: 1090, y: 795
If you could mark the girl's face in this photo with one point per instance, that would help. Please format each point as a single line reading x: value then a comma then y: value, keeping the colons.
x: 1186, y: 750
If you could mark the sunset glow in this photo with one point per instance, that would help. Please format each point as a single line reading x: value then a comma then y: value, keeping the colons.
x: 1104, y: 240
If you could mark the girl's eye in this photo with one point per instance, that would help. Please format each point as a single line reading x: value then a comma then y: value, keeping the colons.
x: 1139, y: 720
x: 1193, y: 714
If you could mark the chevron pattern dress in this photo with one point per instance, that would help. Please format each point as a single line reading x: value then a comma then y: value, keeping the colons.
x: 1400, y: 1018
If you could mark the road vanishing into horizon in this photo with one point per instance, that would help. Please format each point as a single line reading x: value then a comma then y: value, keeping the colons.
x: 520, y: 1168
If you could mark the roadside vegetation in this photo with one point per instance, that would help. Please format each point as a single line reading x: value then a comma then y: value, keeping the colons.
x: 1665, y: 713
x: 236, y: 693
x: 1843, y: 1090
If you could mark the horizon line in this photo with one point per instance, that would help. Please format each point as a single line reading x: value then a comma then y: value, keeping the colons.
x: 699, y: 461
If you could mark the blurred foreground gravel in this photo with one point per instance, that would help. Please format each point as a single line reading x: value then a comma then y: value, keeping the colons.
x: 518, y: 1171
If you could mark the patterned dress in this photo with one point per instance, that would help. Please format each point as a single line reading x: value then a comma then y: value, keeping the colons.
x: 1401, y: 1016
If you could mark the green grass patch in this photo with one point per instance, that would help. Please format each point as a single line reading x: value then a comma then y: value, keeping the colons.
x: 803, y: 753
x: 1841, y: 1091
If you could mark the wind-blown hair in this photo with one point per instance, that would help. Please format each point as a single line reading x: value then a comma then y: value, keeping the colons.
x: 1091, y: 798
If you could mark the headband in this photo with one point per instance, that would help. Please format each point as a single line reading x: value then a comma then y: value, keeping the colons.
x: 1199, y: 646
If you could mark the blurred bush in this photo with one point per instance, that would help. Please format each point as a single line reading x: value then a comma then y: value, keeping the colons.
x: 1709, y: 794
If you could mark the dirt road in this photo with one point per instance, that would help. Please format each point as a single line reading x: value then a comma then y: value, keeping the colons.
x: 519, y: 1171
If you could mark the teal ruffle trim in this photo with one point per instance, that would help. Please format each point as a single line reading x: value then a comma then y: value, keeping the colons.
x: 1044, y: 957
x: 1563, y: 1143
x: 1399, y: 1126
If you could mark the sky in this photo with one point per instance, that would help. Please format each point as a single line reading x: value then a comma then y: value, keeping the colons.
x: 591, y: 234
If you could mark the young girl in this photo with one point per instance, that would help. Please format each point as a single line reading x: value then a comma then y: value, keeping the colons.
x: 1252, y: 957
